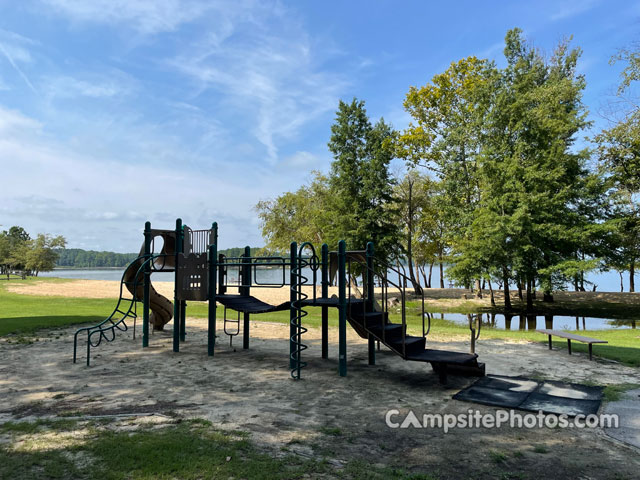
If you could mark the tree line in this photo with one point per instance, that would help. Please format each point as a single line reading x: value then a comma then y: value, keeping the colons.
x: 496, y: 185
x: 79, y: 258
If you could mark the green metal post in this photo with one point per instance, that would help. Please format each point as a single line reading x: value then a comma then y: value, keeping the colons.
x: 342, y: 308
x: 325, y: 294
x: 246, y: 280
x: 147, y: 282
x: 211, y: 331
x: 214, y: 229
x: 176, y: 301
x: 183, y: 303
x: 371, y: 301
x: 221, y: 288
x: 293, y: 297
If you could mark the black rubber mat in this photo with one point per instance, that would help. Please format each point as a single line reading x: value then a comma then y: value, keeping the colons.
x: 532, y: 395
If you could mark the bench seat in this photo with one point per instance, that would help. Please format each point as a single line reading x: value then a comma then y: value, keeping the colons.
x: 571, y: 336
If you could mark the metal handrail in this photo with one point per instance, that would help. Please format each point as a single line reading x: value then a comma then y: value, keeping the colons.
x: 121, y: 323
x: 474, y: 320
x: 385, y: 295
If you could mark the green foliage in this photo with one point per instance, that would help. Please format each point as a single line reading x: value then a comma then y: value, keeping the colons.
x: 19, y: 252
x: 78, y: 258
x: 303, y: 215
x: 517, y: 199
x: 361, y: 185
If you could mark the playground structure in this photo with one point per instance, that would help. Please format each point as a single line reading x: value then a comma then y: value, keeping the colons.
x: 203, y: 275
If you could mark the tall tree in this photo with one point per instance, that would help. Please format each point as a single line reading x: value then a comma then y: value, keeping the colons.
x: 533, y: 177
x: 446, y: 134
x: 502, y: 143
x: 361, y: 184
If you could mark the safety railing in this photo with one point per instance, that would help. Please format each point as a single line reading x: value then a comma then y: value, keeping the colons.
x: 379, y: 269
x: 475, y: 325
x: 197, y: 241
x: 254, y: 264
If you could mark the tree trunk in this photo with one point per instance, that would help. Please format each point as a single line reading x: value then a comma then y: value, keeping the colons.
x: 424, y: 277
x: 632, y: 273
x: 520, y: 288
x: 402, y: 281
x: 416, y: 285
x: 430, y: 272
x: 493, y: 300
x: 621, y: 282
x: 505, y: 283
x: 441, y: 273
x: 478, y: 288
x: 529, y: 297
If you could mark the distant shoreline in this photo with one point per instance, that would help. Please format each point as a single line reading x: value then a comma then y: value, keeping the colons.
x: 88, y: 268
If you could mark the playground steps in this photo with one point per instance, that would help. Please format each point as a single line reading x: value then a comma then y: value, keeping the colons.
x: 391, y: 335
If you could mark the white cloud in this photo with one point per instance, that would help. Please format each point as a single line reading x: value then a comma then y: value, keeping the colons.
x: 146, y: 16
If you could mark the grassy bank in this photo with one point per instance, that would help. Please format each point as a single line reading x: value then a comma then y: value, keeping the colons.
x: 25, y: 314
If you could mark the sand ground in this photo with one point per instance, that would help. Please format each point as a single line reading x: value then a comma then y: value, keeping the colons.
x: 322, y: 415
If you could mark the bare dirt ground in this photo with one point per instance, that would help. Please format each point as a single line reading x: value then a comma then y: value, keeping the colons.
x: 323, y: 415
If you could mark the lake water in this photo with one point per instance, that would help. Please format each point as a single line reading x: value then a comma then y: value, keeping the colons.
x: 533, y: 322
x: 605, y: 281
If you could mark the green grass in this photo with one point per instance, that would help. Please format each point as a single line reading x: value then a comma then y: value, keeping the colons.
x: 190, y: 449
x: 497, y: 456
x: 25, y: 314
x: 540, y: 449
x: 613, y: 393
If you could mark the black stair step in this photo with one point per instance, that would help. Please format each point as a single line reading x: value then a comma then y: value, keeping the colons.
x: 413, y: 345
x: 444, y: 357
x: 391, y: 331
x: 374, y: 319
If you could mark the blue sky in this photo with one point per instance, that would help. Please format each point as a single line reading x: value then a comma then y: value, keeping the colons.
x: 114, y: 112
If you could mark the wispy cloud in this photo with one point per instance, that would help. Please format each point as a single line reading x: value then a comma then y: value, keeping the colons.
x: 13, y: 48
x: 573, y: 8
x: 93, y: 86
x: 145, y: 16
x: 277, y: 81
